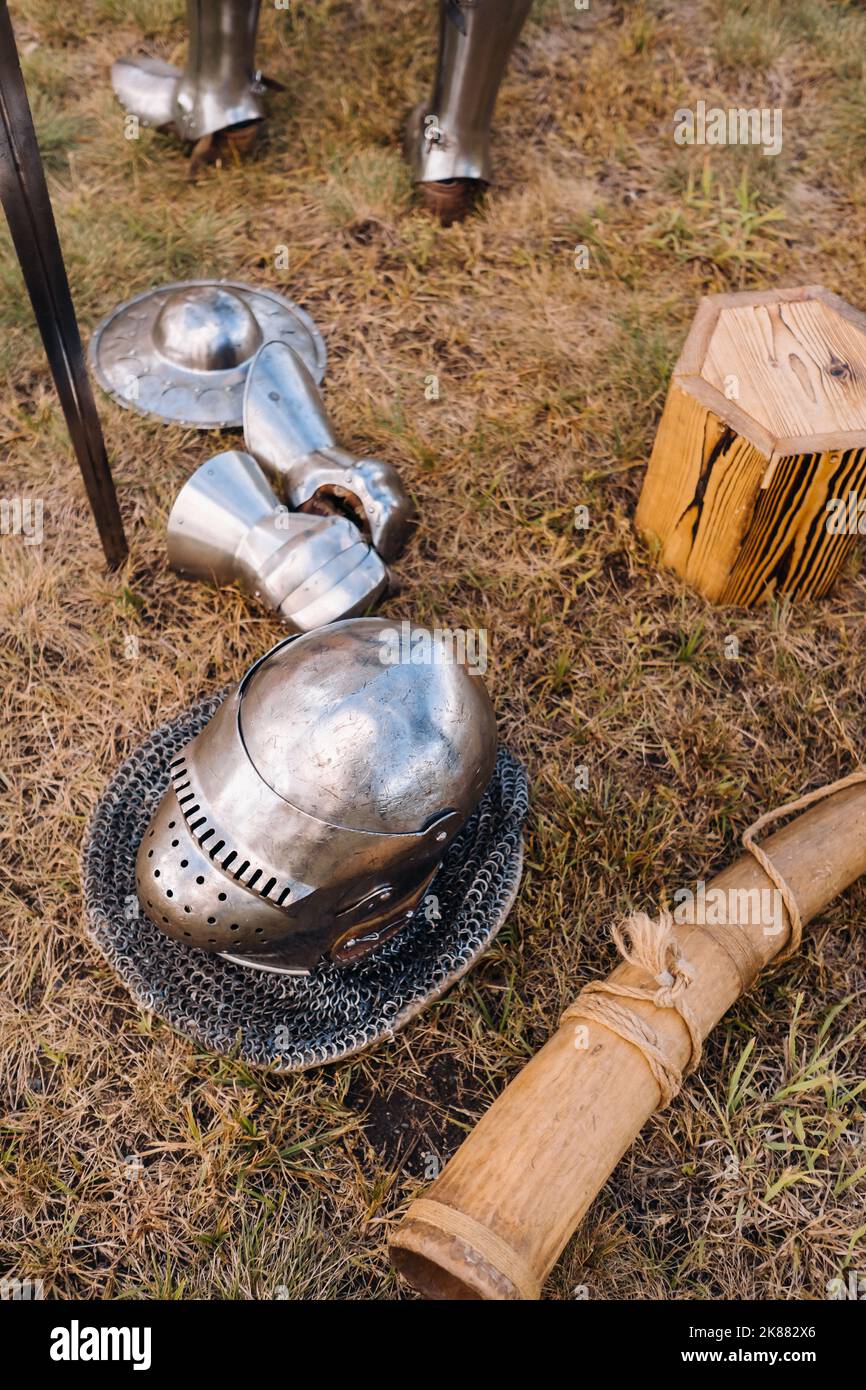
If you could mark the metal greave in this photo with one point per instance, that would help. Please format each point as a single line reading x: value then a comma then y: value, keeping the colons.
x: 475, y: 42
x: 220, y: 85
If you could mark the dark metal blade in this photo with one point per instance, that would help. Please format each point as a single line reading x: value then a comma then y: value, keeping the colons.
x: 24, y: 194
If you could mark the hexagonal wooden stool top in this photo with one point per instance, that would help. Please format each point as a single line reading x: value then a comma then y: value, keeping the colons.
x: 762, y: 438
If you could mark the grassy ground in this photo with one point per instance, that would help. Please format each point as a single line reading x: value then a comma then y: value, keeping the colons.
x: 551, y: 383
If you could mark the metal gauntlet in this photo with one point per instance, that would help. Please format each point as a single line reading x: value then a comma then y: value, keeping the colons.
x: 227, y: 525
x: 288, y: 433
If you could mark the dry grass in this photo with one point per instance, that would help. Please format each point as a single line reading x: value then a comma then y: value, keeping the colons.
x: 551, y: 382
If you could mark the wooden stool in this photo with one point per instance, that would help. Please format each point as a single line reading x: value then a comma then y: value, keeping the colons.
x: 760, y: 454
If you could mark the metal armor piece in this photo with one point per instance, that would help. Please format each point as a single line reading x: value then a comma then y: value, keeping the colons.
x: 450, y: 135
x: 219, y: 86
x: 287, y: 431
x: 227, y: 524
x: 271, y: 1019
x: 182, y: 352
x: 146, y: 88
x: 307, y: 819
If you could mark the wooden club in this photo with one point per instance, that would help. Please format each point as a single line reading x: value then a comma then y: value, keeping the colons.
x: 494, y: 1223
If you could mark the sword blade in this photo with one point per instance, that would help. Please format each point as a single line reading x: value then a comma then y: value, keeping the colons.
x: 24, y: 195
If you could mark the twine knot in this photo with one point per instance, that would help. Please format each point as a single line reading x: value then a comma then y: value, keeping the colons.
x: 649, y: 944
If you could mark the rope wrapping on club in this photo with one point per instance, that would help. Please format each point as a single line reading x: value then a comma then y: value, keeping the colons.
x: 650, y: 944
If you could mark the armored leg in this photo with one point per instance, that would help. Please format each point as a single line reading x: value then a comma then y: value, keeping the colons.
x: 449, y: 136
x: 219, y: 90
